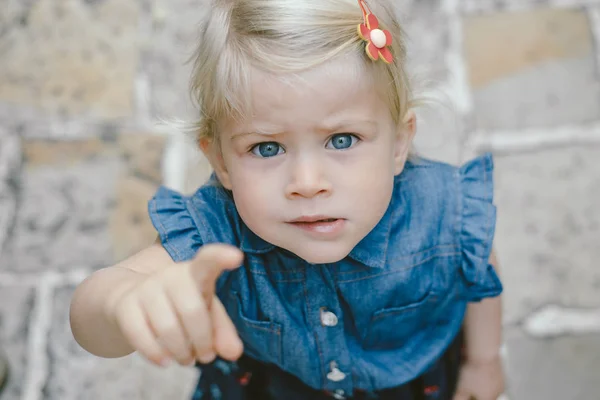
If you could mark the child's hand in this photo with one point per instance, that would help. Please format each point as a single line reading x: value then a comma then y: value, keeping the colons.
x: 174, y: 314
x: 480, y: 380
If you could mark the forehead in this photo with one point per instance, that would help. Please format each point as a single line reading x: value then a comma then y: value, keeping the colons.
x: 341, y: 75
x: 342, y: 88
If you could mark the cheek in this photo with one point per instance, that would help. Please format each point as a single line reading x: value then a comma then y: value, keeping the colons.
x: 253, y: 196
x: 378, y: 166
x: 373, y: 179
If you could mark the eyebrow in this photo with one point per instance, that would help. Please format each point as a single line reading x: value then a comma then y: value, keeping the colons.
x: 254, y: 132
x: 337, y: 125
x: 343, y: 123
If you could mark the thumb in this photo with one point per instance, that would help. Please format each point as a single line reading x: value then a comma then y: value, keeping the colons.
x: 210, y: 261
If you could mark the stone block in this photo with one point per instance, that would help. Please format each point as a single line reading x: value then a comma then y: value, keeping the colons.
x: 84, y: 202
x: 71, y: 57
x: 532, y: 68
x: 548, y: 229
x: 130, y: 227
x: 171, y: 43
x: 16, y: 303
x: 427, y: 38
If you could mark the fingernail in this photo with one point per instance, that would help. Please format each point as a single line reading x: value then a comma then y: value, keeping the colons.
x: 207, y: 358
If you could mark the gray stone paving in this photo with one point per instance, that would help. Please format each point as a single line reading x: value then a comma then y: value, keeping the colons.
x: 126, y: 378
x: 548, y: 245
x: 558, y: 368
x: 81, y: 83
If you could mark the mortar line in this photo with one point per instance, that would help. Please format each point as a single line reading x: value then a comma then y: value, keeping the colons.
x: 532, y: 139
x: 458, y: 84
x: 558, y: 320
x: 37, y: 370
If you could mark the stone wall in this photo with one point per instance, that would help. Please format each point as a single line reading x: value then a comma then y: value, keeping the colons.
x: 82, y: 83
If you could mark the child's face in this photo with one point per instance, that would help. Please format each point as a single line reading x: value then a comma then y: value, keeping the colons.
x: 312, y: 172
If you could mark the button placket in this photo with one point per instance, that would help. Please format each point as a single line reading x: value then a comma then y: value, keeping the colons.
x: 326, y: 313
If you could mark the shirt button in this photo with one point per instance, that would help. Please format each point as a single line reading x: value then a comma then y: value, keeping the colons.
x: 328, y: 318
x: 335, y: 375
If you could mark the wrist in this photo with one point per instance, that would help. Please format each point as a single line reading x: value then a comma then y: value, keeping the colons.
x: 482, y: 357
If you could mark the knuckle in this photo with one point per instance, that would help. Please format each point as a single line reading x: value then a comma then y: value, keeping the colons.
x: 192, y: 310
x: 150, y: 288
x: 124, y: 307
x: 166, y: 328
x: 172, y: 274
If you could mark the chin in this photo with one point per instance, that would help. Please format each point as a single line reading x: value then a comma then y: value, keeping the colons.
x: 324, y: 255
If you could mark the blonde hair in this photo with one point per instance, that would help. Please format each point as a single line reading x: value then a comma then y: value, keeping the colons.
x: 281, y: 37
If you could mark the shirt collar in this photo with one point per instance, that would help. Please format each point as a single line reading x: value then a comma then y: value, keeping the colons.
x: 252, y: 243
x: 370, y: 251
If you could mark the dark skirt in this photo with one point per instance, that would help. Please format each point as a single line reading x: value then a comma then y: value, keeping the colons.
x: 248, y: 379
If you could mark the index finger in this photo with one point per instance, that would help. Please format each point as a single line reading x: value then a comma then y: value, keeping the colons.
x: 209, y: 263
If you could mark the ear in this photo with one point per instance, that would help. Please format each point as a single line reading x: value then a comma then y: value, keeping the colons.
x: 404, y: 138
x: 212, y: 152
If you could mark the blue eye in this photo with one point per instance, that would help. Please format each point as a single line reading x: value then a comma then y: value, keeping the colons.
x: 342, y: 141
x: 267, y: 149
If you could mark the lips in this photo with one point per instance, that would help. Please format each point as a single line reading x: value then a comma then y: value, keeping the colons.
x: 320, y: 226
x: 315, y: 218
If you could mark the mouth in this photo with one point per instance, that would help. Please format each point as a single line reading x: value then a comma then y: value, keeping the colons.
x: 320, y: 226
x: 313, y: 219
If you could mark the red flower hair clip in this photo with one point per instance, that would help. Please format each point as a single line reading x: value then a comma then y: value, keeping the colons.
x: 378, y: 40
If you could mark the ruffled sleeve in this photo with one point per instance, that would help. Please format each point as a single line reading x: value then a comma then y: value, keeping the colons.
x: 172, y: 219
x: 478, y: 224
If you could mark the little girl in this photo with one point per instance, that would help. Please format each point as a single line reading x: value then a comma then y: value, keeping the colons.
x: 322, y: 260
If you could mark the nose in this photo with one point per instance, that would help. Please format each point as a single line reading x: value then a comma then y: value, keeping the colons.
x: 307, y: 180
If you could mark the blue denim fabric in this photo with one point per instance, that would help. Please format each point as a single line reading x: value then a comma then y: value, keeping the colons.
x: 400, y: 295
x: 249, y: 379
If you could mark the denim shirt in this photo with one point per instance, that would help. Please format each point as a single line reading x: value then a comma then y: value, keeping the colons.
x: 379, y: 317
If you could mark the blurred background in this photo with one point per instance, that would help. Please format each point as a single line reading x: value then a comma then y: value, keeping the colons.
x: 84, y: 82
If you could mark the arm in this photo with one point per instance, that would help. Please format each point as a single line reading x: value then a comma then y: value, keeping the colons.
x: 91, y: 325
x: 483, y: 327
x: 481, y: 376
